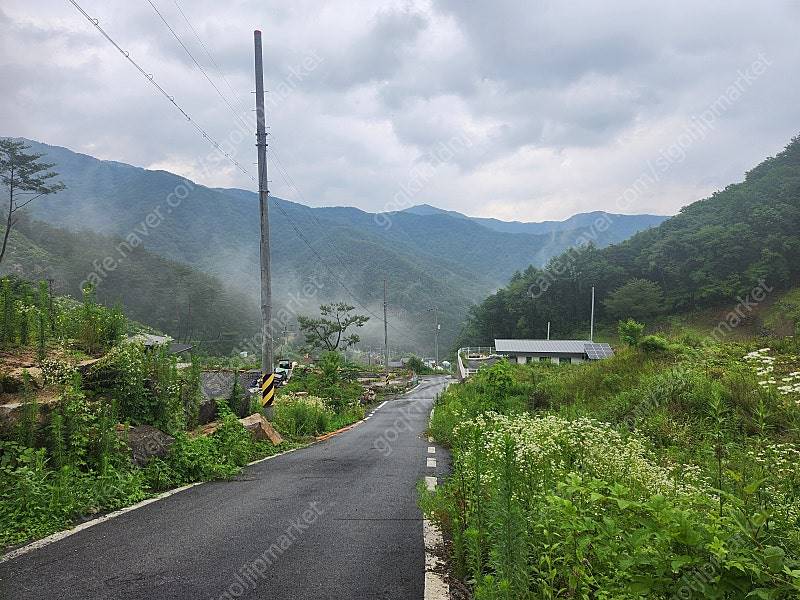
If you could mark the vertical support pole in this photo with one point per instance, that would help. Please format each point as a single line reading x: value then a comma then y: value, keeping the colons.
x: 385, y: 335
x: 591, y: 322
x: 548, y: 330
x: 436, y: 336
x: 267, y: 377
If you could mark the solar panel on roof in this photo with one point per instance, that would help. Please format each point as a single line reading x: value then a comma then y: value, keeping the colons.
x: 596, y: 351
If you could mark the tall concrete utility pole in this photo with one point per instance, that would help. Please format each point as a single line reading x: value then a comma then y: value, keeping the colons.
x: 267, y: 381
x: 591, y: 322
x: 385, y: 334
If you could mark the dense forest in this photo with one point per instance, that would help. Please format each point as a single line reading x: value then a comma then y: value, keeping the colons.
x: 714, y: 253
x: 164, y: 294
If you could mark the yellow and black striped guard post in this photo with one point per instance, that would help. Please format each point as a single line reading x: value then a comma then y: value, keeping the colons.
x: 267, y: 389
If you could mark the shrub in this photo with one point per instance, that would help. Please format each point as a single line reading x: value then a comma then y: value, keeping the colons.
x: 654, y: 343
x: 301, y: 417
x: 694, y: 463
x: 220, y: 455
x: 630, y: 332
x: 333, y: 382
x: 417, y: 366
x: 148, y: 386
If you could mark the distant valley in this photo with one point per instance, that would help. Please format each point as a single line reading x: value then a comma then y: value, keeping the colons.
x: 429, y: 256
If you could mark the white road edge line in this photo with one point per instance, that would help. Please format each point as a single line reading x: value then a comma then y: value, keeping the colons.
x: 436, y: 588
x: 46, y: 541
x: 413, y: 388
x: 60, y: 535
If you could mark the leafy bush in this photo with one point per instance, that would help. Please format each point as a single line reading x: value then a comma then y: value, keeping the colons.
x: 203, y: 458
x: 148, y: 386
x: 73, y: 463
x: 334, y: 382
x: 36, y: 500
x: 82, y: 469
x: 688, y: 487
x: 417, y: 366
x: 630, y: 332
x: 302, y: 417
x: 347, y: 417
x: 654, y: 343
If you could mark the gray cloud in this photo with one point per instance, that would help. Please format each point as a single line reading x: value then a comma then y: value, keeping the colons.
x: 563, y: 104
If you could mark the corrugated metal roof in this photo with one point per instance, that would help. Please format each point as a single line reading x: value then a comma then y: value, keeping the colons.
x: 541, y: 346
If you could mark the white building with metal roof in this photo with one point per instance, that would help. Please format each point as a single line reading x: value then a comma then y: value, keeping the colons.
x: 556, y: 351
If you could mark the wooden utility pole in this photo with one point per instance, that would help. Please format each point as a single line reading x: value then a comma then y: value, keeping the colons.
x: 267, y: 377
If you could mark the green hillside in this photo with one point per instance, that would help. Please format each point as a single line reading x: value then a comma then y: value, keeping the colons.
x: 164, y: 294
x: 428, y: 260
x: 731, y: 251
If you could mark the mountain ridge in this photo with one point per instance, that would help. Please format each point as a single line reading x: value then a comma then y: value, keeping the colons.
x: 727, y: 251
x: 576, y: 221
x: 436, y: 260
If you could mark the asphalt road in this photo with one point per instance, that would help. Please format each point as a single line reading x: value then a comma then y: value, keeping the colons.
x: 338, y: 519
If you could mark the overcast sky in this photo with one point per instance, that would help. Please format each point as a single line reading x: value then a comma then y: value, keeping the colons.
x: 525, y: 110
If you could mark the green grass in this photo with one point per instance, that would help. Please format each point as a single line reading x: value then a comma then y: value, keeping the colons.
x: 67, y: 463
x: 626, y: 478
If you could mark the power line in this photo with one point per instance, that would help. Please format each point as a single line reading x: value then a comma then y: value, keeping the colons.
x: 272, y: 156
x: 151, y: 79
x: 282, y: 171
x: 289, y: 182
x: 198, y: 65
x: 236, y: 95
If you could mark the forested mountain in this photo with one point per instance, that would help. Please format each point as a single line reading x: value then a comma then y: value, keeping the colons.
x: 712, y: 254
x: 623, y: 226
x: 344, y: 253
x: 167, y: 295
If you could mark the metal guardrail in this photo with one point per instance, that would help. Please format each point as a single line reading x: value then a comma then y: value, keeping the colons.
x: 480, y: 351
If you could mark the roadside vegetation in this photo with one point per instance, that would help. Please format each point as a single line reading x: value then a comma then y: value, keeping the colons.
x: 416, y: 364
x: 667, y: 471
x: 300, y: 407
x: 74, y: 388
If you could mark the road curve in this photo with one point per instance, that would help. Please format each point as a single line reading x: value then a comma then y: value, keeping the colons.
x: 338, y: 519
